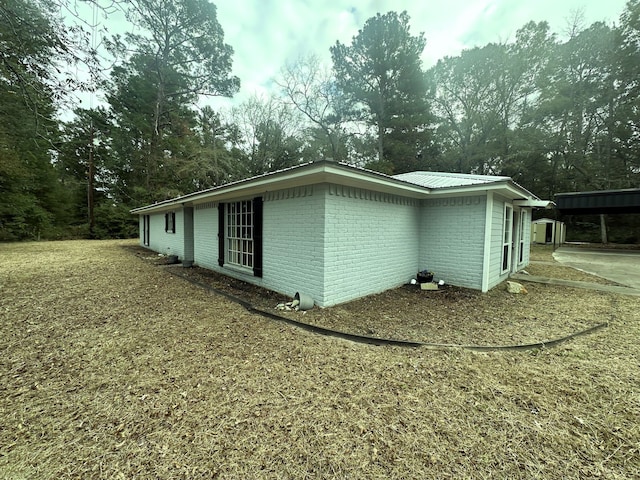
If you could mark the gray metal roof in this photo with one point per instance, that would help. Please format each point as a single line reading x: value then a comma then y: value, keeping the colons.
x: 446, y: 179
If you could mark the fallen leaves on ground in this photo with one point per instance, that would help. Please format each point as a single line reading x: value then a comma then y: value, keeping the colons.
x: 112, y: 367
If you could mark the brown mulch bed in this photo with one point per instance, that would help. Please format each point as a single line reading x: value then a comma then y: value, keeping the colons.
x: 112, y: 368
x: 451, y: 315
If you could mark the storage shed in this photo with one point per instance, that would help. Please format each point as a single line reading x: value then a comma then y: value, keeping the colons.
x: 547, y: 231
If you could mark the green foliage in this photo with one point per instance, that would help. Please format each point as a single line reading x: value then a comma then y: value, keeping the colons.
x: 268, y: 135
x: 32, y: 200
x: 158, y: 147
x: 556, y: 115
x: 381, y: 76
x: 187, y: 45
x: 114, y: 221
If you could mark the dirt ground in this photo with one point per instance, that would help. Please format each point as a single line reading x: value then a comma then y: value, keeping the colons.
x: 113, y: 367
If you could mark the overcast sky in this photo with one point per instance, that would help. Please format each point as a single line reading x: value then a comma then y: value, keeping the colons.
x: 267, y: 33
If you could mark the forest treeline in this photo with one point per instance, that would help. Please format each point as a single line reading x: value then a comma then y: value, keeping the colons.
x: 555, y: 112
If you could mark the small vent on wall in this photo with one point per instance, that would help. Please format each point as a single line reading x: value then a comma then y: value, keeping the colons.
x: 204, y: 206
x: 297, y: 192
x: 453, y: 202
x: 353, y: 192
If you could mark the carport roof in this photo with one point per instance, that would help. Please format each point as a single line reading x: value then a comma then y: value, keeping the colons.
x: 604, y: 201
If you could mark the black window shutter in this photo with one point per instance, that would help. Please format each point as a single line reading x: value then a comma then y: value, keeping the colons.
x: 257, y: 236
x: 166, y: 222
x: 221, y: 234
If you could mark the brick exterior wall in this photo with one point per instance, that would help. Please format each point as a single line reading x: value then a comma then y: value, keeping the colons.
x: 292, y: 231
x: 338, y: 243
x: 161, y: 241
x: 371, y: 242
x: 452, y: 239
x: 293, y: 236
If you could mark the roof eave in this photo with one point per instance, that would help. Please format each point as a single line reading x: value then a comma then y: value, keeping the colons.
x: 534, y: 203
x: 303, y: 175
x: 505, y: 187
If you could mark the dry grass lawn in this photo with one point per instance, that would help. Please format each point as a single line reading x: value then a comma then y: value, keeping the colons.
x: 111, y: 367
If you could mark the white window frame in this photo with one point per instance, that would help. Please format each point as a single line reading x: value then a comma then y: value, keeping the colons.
x: 507, y: 238
x: 146, y: 229
x: 239, y: 238
x: 521, y: 244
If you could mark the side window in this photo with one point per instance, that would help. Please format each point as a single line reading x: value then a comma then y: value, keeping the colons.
x: 240, y: 234
x: 170, y: 222
x: 507, y: 237
x: 146, y: 227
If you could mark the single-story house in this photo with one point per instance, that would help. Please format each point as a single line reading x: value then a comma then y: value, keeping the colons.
x: 336, y: 232
x: 547, y: 230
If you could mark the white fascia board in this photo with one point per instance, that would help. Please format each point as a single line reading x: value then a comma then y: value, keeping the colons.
x: 506, y: 188
x: 313, y: 175
x: 164, y: 206
x: 534, y: 203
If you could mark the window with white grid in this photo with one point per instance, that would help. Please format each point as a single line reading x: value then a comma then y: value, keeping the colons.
x: 240, y: 233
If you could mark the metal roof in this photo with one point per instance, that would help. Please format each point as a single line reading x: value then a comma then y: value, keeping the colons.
x: 446, y: 179
x: 603, y: 201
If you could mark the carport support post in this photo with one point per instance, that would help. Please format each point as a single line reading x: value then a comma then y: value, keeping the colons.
x: 603, y: 229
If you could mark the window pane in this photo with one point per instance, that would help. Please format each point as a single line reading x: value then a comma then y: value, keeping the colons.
x: 505, y: 257
x: 240, y: 233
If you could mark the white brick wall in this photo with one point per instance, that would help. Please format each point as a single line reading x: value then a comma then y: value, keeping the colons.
x: 292, y: 252
x: 339, y: 243
x: 371, y: 242
x: 331, y: 243
x: 293, y: 235
x: 161, y: 241
x: 452, y: 239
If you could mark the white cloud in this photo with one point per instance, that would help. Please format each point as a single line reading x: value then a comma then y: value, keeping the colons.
x: 267, y: 33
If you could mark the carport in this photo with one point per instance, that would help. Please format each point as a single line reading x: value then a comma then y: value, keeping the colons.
x: 600, y: 202
x: 603, y: 202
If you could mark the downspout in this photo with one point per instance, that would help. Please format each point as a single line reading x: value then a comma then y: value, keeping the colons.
x: 486, y: 259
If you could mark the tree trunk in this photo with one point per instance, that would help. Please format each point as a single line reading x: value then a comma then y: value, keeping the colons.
x: 603, y: 229
x: 380, y: 144
x: 90, y: 187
